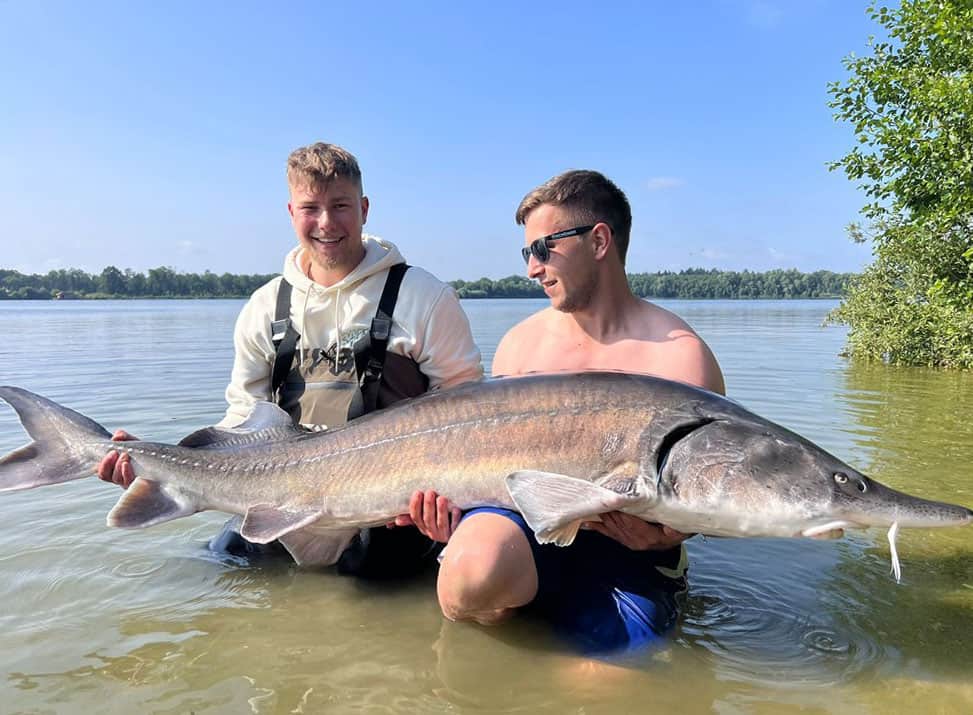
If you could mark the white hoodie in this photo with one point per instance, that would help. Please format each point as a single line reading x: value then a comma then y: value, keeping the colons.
x: 428, y: 326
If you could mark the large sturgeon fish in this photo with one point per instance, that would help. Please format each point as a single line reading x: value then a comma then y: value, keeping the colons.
x: 561, y: 449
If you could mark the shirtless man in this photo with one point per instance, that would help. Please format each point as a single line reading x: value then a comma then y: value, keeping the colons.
x: 613, y: 589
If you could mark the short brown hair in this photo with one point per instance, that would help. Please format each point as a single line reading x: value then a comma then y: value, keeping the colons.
x: 317, y: 165
x: 590, y: 197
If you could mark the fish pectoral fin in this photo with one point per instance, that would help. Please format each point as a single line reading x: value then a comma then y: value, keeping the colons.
x: 562, y: 536
x: 555, y: 505
x: 146, y: 503
x: 317, y: 546
x: 264, y: 522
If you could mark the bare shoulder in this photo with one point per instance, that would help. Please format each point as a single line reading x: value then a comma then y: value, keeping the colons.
x: 659, y: 323
x: 683, y: 356
x: 513, y: 346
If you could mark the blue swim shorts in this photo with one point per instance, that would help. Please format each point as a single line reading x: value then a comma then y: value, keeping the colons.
x: 598, y: 594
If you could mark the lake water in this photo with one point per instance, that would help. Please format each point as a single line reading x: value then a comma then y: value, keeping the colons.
x: 98, y: 620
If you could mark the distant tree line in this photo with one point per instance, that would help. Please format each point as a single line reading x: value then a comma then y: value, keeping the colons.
x: 167, y: 283
x: 114, y: 283
x: 689, y: 283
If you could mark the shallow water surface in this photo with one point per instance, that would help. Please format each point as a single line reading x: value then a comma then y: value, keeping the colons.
x: 98, y: 619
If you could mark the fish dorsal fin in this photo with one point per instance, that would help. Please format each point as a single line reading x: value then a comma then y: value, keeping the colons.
x: 555, y: 505
x: 265, y: 522
x: 263, y: 416
x: 266, y: 423
x: 147, y: 503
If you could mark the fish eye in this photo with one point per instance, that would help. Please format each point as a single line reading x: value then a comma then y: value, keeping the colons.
x: 841, y: 477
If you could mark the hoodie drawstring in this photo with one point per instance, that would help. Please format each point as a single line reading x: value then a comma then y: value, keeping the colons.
x: 337, y: 323
x: 301, y: 339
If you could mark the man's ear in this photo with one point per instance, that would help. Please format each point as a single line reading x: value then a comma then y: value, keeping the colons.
x: 601, y: 240
x: 290, y: 209
x: 364, y: 210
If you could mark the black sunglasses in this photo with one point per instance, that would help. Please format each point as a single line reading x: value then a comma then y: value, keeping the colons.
x: 539, y: 247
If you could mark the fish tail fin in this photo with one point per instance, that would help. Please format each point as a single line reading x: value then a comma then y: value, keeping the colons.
x: 66, y: 444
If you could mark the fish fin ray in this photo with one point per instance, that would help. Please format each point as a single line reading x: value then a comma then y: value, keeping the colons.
x: 562, y: 536
x: 147, y: 503
x: 620, y: 483
x: 555, y: 505
x: 314, y: 546
x: 265, y: 522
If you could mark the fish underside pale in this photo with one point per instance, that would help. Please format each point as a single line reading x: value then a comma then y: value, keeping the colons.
x: 561, y: 449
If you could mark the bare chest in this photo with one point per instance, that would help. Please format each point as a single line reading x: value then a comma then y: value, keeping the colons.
x: 549, y: 355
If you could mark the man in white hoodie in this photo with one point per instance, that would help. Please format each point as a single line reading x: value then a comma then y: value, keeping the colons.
x: 337, y: 276
x: 346, y: 329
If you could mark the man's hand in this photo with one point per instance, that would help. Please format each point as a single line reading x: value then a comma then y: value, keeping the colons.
x: 432, y: 515
x: 117, y: 468
x: 635, y: 533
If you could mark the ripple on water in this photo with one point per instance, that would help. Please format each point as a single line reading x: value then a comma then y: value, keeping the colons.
x: 137, y: 567
x: 782, y: 612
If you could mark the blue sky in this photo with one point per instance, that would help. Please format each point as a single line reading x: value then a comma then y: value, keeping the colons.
x: 141, y: 135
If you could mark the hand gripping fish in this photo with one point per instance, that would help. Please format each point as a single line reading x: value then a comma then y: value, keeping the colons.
x: 560, y: 449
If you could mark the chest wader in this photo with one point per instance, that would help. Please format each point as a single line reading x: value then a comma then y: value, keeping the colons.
x: 329, y: 386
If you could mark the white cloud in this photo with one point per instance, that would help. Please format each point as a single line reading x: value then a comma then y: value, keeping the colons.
x: 661, y: 183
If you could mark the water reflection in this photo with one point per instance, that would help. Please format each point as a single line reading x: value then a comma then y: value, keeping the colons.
x: 917, y: 427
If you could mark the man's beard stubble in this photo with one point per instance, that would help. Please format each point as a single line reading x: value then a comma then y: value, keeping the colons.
x: 579, y: 298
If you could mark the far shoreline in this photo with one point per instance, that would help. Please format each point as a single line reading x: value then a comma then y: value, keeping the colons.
x: 166, y: 284
x: 97, y: 298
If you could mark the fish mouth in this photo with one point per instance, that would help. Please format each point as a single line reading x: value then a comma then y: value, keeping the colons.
x: 830, y: 529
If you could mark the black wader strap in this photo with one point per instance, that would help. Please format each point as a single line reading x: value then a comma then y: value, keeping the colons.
x: 285, y: 339
x: 379, y: 337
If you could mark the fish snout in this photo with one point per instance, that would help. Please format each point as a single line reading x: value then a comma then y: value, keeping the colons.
x: 879, y: 505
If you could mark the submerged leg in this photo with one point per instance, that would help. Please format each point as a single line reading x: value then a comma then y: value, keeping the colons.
x: 487, y: 569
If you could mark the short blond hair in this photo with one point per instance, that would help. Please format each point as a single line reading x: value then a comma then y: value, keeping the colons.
x: 318, y: 164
